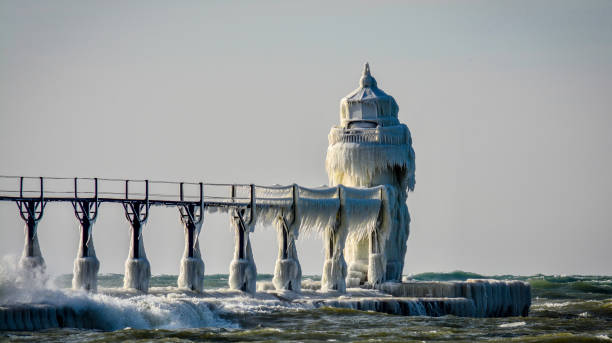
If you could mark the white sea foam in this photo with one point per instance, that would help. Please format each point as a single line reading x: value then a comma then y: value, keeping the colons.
x: 512, y: 325
x: 107, y: 310
x: 555, y: 304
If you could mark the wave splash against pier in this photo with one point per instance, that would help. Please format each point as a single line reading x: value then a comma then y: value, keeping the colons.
x: 29, y: 301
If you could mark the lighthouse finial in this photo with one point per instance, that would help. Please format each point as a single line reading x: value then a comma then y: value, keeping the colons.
x: 366, y: 69
x: 366, y: 79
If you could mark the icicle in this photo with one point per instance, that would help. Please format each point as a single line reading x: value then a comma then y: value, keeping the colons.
x: 317, y: 209
x: 367, y: 159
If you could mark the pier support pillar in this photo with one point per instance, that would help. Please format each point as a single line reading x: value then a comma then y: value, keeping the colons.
x: 137, y: 267
x: 191, y: 275
x: 86, y: 264
x: 287, y: 271
x: 376, y: 261
x: 334, y: 268
x: 395, y: 248
x: 243, y: 272
x: 31, y: 211
x: 31, y: 258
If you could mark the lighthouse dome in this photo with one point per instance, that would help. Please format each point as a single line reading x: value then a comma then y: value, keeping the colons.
x: 368, y: 106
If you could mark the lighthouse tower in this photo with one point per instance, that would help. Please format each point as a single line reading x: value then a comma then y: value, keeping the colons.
x: 371, y: 147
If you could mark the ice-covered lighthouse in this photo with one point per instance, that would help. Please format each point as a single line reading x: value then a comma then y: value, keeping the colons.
x: 371, y: 147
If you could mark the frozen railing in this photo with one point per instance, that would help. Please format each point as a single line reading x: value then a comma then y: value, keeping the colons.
x: 169, y: 193
x: 122, y: 190
x: 393, y: 135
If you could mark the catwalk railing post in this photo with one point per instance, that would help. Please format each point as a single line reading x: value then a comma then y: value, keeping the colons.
x: 31, y: 211
x: 191, y: 275
x: 137, y: 267
x: 86, y: 264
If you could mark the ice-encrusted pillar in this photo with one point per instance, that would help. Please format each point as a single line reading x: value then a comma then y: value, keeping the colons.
x: 287, y: 271
x: 376, y: 262
x: 243, y: 272
x: 31, y: 258
x: 371, y: 147
x: 31, y: 211
x: 191, y: 275
x: 137, y: 267
x: 86, y: 264
x: 334, y: 268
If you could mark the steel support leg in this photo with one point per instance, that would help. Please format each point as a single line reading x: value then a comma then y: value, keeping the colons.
x: 243, y: 272
x: 86, y: 264
x: 137, y: 267
x: 334, y: 273
x: 191, y: 275
x: 31, y: 212
x: 287, y: 271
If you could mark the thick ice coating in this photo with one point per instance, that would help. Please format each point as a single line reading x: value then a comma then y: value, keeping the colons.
x: 137, y: 269
x: 31, y: 259
x: 243, y: 271
x: 338, y: 214
x: 287, y: 271
x: 191, y: 275
x: 86, y: 264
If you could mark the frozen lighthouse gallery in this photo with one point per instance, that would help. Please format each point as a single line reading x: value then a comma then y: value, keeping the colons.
x: 369, y: 148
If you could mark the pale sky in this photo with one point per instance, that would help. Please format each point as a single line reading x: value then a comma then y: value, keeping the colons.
x: 509, y: 104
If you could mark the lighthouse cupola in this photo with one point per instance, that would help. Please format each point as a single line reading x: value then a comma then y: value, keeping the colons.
x: 368, y: 106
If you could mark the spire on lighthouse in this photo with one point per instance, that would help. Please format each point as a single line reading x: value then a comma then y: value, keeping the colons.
x: 366, y: 79
x: 368, y: 105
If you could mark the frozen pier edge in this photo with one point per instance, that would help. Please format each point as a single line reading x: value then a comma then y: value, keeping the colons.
x: 488, y: 298
x: 471, y: 298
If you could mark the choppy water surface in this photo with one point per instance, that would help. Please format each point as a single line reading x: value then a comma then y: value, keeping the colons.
x: 565, y: 309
